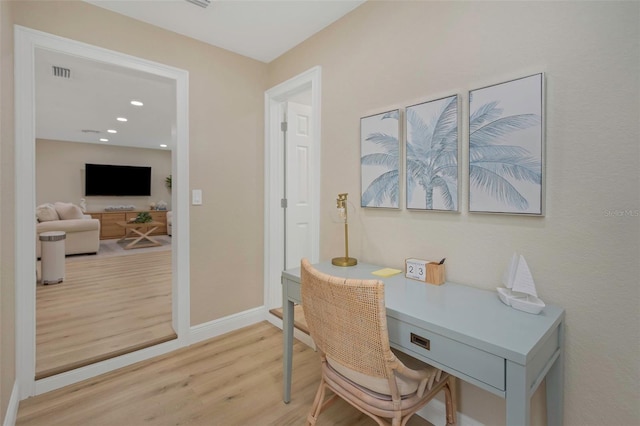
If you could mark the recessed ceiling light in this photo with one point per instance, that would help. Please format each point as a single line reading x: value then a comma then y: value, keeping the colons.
x: 121, y: 119
x: 163, y: 145
x: 136, y: 103
x: 104, y: 140
x: 112, y: 131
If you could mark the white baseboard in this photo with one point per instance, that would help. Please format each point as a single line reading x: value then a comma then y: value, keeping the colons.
x: 224, y: 325
x: 435, y: 412
x: 12, y: 409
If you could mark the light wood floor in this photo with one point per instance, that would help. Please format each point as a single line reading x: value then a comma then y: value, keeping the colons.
x: 235, y: 379
x: 105, y: 307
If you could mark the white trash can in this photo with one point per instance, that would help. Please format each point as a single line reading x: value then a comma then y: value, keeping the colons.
x: 52, y: 256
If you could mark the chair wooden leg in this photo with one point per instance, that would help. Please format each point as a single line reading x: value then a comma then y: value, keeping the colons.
x: 450, y: 398
x: 312, y: 417
x: 405, y: 420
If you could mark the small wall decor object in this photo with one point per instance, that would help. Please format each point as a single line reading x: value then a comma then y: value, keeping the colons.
x: 380, y: 160
x: 121, y: 208
x: 519, y: 289
x: 425, y: 270
x: 432, y: 155
x: 416, y: 269
x: 506, y: 147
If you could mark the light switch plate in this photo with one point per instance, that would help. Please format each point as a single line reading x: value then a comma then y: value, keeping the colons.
x: 196, y: 197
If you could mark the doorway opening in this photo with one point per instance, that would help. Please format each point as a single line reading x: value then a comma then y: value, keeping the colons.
x: 292, y: 180
x: 115, y: 297
x: 27, y: 41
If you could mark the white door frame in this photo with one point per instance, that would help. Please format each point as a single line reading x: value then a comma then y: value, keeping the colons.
x: 26, y: 41
x: 274, y: 178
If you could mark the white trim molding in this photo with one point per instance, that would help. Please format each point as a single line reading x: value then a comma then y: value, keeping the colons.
x: 274, y: 178
x: 12, y: 409
x: 224, y: 325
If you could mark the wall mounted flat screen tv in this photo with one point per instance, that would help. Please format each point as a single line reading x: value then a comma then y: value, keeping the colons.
x: 108, y: 179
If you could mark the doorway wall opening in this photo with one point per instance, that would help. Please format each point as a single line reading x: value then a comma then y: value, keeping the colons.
x: 276, y: 100
x: 26, y: 43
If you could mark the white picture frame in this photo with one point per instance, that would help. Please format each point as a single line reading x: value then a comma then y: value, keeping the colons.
x: 380, y: 160
x: 506, y: 147
x: 431, y: 155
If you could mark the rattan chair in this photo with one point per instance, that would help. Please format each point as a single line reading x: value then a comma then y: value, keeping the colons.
x: 348, y: 323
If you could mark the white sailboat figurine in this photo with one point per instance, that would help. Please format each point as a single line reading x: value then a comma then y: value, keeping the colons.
x: 519, y: 289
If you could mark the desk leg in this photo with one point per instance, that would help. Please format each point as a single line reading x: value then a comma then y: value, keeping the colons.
x: 287, y: 329
x: 555, y: 385
x: 518, y: 402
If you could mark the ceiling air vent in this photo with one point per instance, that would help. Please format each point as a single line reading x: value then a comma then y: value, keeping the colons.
x: 201, y: 3
x: 90, y: 131
x: 61, y: 72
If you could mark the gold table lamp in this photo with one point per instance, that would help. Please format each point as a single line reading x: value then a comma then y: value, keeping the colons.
x: 342, y: 211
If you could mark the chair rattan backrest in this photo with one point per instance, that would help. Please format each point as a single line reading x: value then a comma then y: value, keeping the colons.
x: 347, y: 320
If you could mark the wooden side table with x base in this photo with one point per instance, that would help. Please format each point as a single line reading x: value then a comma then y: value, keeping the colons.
x: 138, y: 233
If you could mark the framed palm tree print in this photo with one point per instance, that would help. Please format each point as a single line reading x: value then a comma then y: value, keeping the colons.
x: 432, y: 155
x: 380, y: 160
x: 506, y: 147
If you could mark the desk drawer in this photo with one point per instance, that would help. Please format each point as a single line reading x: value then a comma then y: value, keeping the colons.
x: 459, y: 357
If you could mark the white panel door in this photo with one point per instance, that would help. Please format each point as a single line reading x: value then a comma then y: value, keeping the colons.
x: 298, y: 239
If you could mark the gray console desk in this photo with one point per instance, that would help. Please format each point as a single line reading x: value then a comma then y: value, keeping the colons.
x: 463, y: 330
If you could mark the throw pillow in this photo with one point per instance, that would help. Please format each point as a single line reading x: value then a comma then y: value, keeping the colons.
x: 46, y: 213
x: 68, y: 211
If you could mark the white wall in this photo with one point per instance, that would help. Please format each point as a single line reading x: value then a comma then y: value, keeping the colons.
x: 60, y: 172
x: 585, y: 254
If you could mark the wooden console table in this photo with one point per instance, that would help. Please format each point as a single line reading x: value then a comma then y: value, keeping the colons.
x: 464, y: 331
x: 109, y: 222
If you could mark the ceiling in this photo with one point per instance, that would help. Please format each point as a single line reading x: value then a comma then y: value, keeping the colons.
x: 259, y: 29
x: 83, y: 107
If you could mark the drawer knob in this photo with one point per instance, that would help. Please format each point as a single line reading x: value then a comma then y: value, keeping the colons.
x: 420, y: 341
